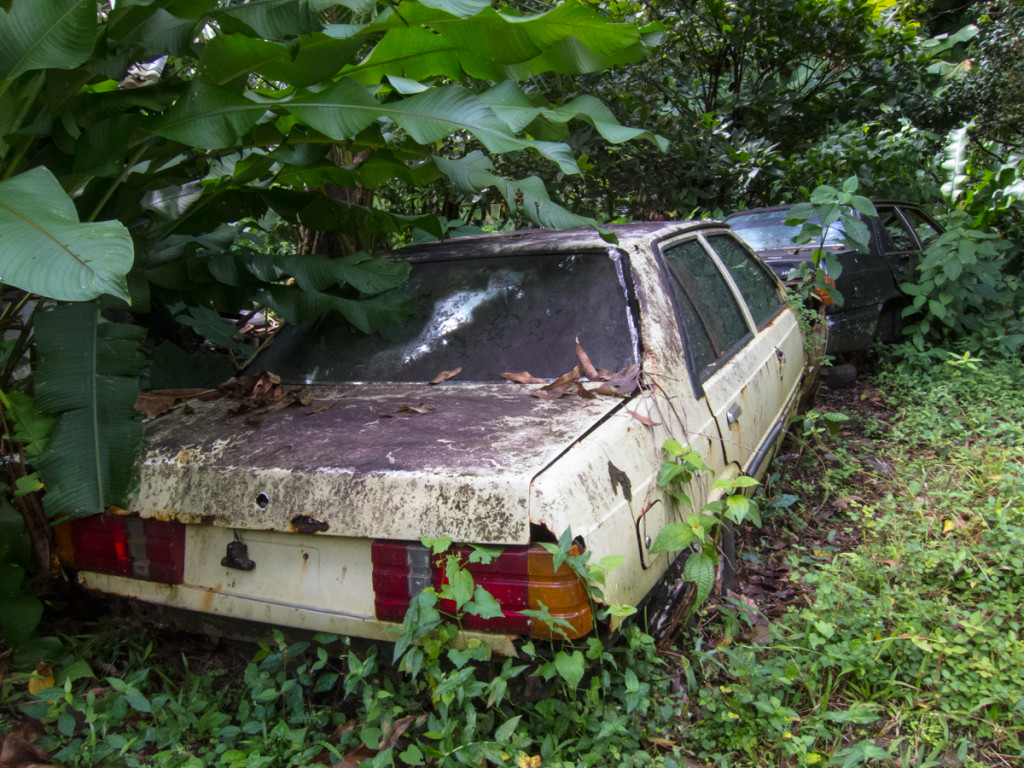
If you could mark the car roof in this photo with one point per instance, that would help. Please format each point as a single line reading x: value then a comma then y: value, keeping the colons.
x: 787, y: 206
x: 540, y: 239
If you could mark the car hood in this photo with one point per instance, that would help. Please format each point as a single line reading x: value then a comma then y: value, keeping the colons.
x: 378, y: 461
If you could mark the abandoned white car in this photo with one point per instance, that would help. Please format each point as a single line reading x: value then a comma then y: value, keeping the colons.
x: 529, y: 394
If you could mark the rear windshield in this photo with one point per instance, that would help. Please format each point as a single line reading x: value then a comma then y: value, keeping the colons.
x: 767, y: 230
x: 487, y: 316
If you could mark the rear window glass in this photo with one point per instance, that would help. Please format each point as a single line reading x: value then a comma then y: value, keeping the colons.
x: 487, y: 316
x: 767, y: 230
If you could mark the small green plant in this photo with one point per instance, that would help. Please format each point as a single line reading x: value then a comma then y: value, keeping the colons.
x: 965, y: 292
x: 698, y: 531
x: 827, y: 207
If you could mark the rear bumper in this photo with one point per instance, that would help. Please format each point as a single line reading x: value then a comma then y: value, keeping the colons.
x: 213, y: 606
x: 309, y: 582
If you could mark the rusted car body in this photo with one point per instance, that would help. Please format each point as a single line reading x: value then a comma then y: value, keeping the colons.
x: 869, y: 282
x: 311, y: 516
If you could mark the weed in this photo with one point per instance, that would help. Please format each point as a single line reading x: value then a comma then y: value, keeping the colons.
x: 909, y: 653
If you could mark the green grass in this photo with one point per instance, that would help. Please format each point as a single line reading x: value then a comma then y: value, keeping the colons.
x: 910, y: 651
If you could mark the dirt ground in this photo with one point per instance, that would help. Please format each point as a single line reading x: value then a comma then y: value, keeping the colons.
x: 820, y: 525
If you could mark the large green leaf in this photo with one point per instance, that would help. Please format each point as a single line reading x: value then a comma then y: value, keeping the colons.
x: 955, y: 165
x: 87, y: 373
x: 274, y: 19
x: 426, y: 40
x: 44, y: 34
x: 475, y: 172
x: 347, y: 108
x: 309, y: 60
x: 368, y: 315
x: 700, y: 569
x: 44, y: 249
x: 208, y: 116
x: 32, y: 428
x: 515, y: 109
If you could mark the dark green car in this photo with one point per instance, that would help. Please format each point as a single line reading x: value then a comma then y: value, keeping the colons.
x: 869, y: 282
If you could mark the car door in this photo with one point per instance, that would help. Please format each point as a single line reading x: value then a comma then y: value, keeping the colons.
x: 909, y: 231
x: 733, y: 365
x: 777, y: 333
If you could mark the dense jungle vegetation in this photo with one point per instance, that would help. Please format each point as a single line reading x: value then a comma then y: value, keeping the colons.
x: 172, y: 169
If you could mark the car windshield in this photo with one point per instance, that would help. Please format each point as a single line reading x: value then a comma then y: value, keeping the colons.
x: 487, y: 316
x: 767, y: 230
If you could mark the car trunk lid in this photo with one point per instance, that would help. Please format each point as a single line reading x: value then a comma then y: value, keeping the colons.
x: 380, y: 461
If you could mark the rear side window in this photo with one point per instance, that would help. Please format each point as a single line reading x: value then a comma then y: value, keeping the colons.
x: 759, y: 288
x: 713, y: 323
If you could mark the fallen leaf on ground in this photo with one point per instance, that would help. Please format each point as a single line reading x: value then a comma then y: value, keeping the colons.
x: 323, y: 408
x: 548, y: 394
x: 356, y: 757
x: 583, y: 392
x: 394, y: 733
x: 626, y: 380
x: 43, y: 678
x: 18, y: 748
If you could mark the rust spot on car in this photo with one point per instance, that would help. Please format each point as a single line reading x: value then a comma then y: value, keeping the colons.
x: 206, y: 604
x: 308, y: 525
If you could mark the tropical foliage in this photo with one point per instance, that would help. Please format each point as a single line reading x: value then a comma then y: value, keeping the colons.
x: 760, y: 100
x: 149, y: 149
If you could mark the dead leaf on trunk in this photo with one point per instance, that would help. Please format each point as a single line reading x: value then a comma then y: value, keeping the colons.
x: 524, y: 377
x: 626, y: 380
x: 564, y: 381
x: 406, y: 411
x: 323, y: 408
x: 643, y: 419
x: 548, y: 394
x: 588, y: 367
x: 445, y: 375
x: 159, y: 401
x: 254, y: 388
x: 583, y: 392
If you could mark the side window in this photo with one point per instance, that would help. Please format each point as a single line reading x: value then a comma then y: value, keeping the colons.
x: 759, y: 288
x: 926, y: 231
x: 910, y: 231
x: 902, y: 239
x: 713, y: 323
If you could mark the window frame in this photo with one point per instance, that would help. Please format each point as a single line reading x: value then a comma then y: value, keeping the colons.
x: 699, y: 377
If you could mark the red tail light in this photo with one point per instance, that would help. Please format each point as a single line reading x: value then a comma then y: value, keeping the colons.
x: 521, y: 578
x: 153, y: 550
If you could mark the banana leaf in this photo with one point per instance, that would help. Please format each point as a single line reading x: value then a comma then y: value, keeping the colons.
x: 88, y: 375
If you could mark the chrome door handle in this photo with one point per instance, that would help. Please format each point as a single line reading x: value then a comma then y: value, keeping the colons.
x: 782, y: 361
x: 732, y: 416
